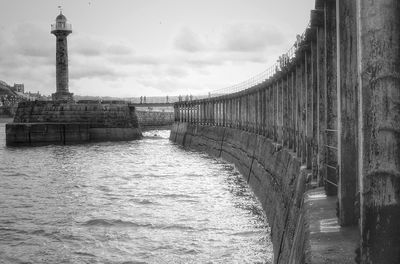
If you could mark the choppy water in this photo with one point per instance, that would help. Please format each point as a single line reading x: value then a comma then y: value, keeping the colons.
x: 147, y: 201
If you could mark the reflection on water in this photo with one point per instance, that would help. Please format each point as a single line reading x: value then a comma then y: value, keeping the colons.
x: 147, y: 201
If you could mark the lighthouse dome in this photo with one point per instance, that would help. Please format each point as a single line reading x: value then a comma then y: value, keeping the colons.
x: 61, y: 18
x: 61, y: 25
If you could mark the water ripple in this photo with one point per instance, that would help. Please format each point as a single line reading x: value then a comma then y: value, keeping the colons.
x: 147, y: 201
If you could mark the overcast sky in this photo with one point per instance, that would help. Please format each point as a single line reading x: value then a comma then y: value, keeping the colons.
x: 147, y: 47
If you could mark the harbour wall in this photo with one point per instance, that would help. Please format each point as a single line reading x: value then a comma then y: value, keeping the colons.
x: 333, y: 99
x: 302, y: 219
x: 155, y: 119
x: 275, y: 175
x: 51, y: 122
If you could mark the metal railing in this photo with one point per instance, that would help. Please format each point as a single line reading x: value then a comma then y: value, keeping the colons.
x: 281, y: 63
x: 61, y: 26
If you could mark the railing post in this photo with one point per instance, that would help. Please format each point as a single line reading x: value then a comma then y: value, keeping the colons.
x: 190, y: 112
x: 212, y: 108
x: 246, y: 111
x: 292, y: 111
x: 300, y: 110
x: 240, y: 112
x: 223, y: 112
x: 175, y: 113
x: 186, y: 112
x: 270, y: 112
x: 259, y: 112
x: 319, y: 22
x: 265, y: 110
x: 181, y: 113
x: 281, y: 110
x: 301, y: 113
x: 284, y: 109
x: 208, y: 112
x: 199, y: 112
x: 308, y: 107
x: 314, y: 106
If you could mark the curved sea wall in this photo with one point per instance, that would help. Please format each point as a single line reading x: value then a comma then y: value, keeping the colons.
x: 50, y: 122
x: 275, y: 175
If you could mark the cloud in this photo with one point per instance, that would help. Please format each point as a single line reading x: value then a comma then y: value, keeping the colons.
x: 232, y: 43
x: 188, y: 41
x: 94, y: 46
x: 30, y: 40
x: 93, y: 72
x: 251, y: 38
x: 133, y: 59
x: 27, y: 56
x: 176, y: 71
x: 119, y: 49
x: 97, y: 63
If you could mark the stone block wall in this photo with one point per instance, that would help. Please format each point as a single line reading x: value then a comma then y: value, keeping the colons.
x: 155, y: 119
x: 275, y: 175
x: 96, y: 115
x: 49, y: 122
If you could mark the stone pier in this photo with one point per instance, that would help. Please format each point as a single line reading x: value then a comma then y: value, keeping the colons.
x: 332, y: 102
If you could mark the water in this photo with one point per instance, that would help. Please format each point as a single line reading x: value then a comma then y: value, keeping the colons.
x: 147, y: 201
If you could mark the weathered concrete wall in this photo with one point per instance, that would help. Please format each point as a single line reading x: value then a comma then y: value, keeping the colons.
x: 379, y: 41
x: 31, y: 134
x: 348, y: 114
x: 152, y: 119
x: 304, y: 227
x: 96, y: 115
x: 49, y: 122
x: 274, y: 174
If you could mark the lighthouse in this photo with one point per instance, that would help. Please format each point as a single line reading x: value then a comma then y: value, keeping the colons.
x: 61, y: 29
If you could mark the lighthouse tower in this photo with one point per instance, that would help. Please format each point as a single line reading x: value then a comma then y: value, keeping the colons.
x: 61, y: 29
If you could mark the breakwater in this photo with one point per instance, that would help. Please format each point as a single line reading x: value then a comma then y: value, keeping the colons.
x: 51, y: 122
x: 331, y: 100
x: 304, y: 226
x: 274, y: 174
